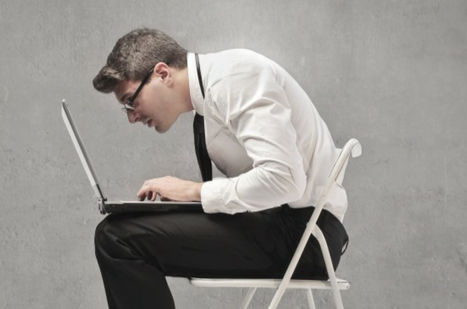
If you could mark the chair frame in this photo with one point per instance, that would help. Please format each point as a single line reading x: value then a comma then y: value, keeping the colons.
x: 352, y: 147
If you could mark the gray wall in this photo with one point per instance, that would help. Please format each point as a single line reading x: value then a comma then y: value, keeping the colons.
x: 390, y: 73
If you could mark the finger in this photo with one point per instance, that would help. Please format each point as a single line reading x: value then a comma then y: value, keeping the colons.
x: 141, y: 195
x: 143, y: 192
x: 153, y: 196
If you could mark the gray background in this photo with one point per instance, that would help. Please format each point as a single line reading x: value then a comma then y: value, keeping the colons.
x: 391, y: 73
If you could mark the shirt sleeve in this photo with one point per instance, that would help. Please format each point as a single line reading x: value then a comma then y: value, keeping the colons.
x: 254, y: 107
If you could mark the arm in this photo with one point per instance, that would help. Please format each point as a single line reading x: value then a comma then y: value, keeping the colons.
x: 255, y: 108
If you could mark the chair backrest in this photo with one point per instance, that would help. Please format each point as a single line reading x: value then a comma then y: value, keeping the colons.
x: 352, y: 147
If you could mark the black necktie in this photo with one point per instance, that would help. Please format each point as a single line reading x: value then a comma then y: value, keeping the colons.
x: 202, y: 155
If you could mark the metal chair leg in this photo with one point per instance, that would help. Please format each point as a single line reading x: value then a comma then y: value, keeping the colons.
x: 332, y: 275
x: 311, y: 301
x: 248, y: 298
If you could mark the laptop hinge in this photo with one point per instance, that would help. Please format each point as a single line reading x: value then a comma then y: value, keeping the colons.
x: 100, y: 203
x: 100, y: 198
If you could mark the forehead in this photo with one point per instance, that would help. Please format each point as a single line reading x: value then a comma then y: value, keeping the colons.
x: 124, y: 89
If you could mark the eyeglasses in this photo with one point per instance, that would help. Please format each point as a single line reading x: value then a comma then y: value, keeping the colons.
x: 130, y: 105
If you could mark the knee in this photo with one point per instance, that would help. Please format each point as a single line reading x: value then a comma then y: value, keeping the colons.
x: 101, y: 234
x: 104, y: 236
x: 113, y: 237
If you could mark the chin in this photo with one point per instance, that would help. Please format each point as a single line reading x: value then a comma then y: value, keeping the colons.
x: 161, y: 130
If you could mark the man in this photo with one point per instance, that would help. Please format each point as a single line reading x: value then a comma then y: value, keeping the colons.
x: 262, y: 132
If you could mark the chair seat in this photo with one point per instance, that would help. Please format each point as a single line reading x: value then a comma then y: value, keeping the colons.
x: 268, y: 283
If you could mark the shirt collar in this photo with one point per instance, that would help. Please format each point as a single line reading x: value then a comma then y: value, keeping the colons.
x: 195, y: 91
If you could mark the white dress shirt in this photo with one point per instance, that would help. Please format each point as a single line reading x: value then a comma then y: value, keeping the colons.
x: 263, y: 133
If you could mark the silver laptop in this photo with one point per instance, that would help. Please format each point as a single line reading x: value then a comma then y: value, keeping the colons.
x: 106, y: 206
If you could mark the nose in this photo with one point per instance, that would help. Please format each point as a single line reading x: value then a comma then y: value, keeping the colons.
x: 132, y: 117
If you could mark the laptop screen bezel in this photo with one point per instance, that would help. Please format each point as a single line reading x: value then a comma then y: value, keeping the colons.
x: 82, y: 153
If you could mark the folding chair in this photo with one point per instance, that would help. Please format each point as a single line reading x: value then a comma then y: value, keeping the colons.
x: 352, y: 147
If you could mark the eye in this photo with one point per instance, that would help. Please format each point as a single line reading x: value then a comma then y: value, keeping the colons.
x: 127, y: 99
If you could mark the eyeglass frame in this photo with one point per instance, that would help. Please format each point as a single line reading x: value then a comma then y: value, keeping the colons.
x: 130, y: 103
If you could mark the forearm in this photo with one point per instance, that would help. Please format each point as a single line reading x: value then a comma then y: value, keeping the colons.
x: 255, y: 190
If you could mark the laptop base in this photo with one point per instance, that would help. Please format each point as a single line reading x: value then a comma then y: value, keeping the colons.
x: 147, y: 206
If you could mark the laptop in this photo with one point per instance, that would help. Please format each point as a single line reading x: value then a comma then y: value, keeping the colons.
x: 109, y: 207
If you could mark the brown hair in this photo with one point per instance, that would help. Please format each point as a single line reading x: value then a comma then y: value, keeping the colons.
x: 135, y: 54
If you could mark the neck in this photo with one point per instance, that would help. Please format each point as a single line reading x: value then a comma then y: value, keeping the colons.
x: 183, y: 88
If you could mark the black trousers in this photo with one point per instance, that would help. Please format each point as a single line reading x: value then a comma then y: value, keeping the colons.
x: 136, y: 251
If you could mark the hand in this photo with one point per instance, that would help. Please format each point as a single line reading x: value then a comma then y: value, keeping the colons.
x: 170, y: 188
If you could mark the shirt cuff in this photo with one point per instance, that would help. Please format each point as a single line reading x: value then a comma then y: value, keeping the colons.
x: 212, y: 196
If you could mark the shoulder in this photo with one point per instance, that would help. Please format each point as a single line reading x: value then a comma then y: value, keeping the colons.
x: 236, y: 62
x: 237, y: 67
x: 237, y: 55
x: 237, y: 79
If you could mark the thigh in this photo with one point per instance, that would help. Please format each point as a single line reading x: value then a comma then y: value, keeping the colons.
x: 199, y: 244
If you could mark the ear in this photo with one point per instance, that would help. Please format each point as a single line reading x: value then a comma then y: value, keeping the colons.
x: 163, y: 72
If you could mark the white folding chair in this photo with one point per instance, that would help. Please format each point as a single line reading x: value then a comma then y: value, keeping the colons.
x: 352, y: 147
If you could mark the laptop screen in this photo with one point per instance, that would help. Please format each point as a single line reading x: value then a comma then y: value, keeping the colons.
x: 81, y: 150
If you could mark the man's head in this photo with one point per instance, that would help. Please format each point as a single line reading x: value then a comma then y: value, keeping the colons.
x: 146, y: 70
x: 135, y: 54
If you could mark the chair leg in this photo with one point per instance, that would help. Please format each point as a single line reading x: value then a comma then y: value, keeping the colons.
x: 337, y: 298
x: 311, y: 301
x: 332, y: 275
x: 248, y: 298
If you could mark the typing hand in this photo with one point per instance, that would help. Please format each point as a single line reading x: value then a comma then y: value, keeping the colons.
x: 150, y: 194
x: 170, y: 188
